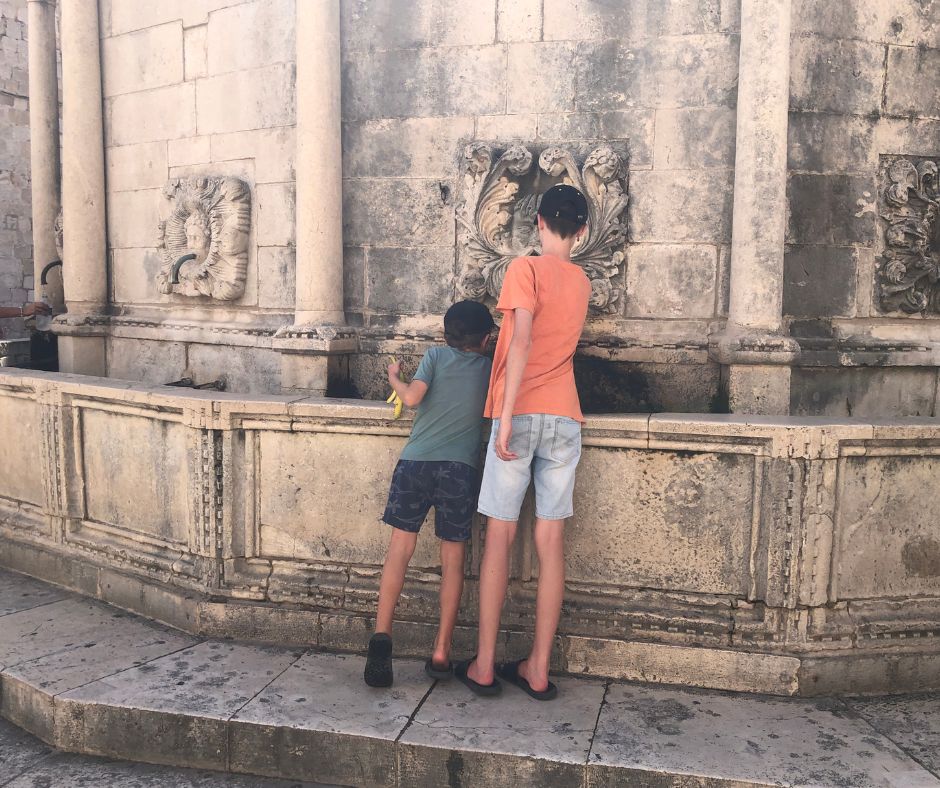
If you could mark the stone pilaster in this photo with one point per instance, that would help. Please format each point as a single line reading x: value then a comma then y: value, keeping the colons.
x: 312, y: 346
x: 85, y: 275
x: 753, y: 346
x: 44, y: 140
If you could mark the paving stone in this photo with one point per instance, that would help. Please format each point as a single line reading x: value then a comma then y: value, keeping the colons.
x: 173, y: 710
x: 318, y: 719
x: 52, y: 628
x: 753, y: 739
x: 29, y: 688
x: 19, y: 751
x: 18, y: 592
x: 910, y: 721
x: 468, y: 737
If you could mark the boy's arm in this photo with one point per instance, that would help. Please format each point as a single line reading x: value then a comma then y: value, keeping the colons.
x: 411, y: 393
x: 516, y: 359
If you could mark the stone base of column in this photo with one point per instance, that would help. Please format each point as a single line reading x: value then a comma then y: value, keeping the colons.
x: 758, y: 389
x: 315, y: 359
x: 756, y: 374
x: 83, y: 355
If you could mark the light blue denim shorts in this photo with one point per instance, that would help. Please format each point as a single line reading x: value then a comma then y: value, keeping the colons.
x: 548, y: 448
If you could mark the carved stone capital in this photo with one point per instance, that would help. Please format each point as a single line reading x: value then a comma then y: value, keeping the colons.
x: 316, y: 340
x: 738, y: 345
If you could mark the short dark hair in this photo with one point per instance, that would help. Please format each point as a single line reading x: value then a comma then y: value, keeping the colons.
x: 467, y: 324
x: 563, y: 228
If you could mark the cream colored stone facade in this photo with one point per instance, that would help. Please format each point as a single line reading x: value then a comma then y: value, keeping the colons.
x: 779, y: 555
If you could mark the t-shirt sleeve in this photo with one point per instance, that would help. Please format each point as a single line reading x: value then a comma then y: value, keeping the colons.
x: 426, y: 367
x: 518, y: 290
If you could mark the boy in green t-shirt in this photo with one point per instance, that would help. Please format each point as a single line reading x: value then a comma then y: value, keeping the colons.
x: 438, y: 467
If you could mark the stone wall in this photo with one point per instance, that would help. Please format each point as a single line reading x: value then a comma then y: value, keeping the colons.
x: 16, y: 243
x: 764, y: 554
x: 192, y: 89
x: 864, y: 87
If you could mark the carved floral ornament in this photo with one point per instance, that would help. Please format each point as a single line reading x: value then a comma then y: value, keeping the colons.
x: 499, y: 208
x: 209, y: 218
x: 909, y: 270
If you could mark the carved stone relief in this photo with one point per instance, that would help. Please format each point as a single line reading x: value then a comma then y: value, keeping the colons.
x: 908, y: 273
x: 499, y: 206
x: 209, y: 218
x: 58, y: 228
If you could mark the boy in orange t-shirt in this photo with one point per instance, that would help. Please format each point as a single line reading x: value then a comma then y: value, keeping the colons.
x: 537, y: 427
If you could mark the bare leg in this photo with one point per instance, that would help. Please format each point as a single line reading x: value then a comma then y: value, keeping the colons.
x: 550, y: 546
x: 400, y: 549
x: 452, y: 567
x: 494, y: 578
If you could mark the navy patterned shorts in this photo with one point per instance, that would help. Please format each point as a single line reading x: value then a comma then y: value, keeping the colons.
x: 450, y: 487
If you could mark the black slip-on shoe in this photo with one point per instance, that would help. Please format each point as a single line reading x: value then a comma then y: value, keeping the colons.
x: 378, y: 672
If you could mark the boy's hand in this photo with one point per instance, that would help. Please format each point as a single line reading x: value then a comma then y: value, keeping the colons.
x: 502, y: 441
x: 394, y: 370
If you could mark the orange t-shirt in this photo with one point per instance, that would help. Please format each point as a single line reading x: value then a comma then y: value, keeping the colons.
x: 557, y: 293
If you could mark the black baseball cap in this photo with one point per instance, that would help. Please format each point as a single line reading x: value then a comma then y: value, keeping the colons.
x: 563, y: 202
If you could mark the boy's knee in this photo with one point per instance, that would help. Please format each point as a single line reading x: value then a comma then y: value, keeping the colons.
x: 549, y: 538
x: 403, y: 541
x: 452, y: 554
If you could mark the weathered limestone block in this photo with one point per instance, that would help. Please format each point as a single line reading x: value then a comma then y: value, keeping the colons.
x: 540, y: 77
x: 636, y: 127
x: 276, y: 277
x: 133, y: 218
x: 462, y: 23
x: 244, y: 369
x: 413, y: 147
x: 187, y: 152
x: 889, y: 542
x: 399, y: 24
x: 137, y: 167
x: 195, y: 52
x: 507, y: 128
x: 836, y: 76
x: 520, y: 20
x: 251, y: 35
x: 145, y: 361
x: 832, y: 143
x: 369, y: 216
x: 239, y: 101
x: 271, y: 150
x: 135, y: 470
x: 161, y: 114
x: 677, y: 506
x: 672, y: 207
x: 425, y: 82
x: 670, y: 281
x: 144, y: 60
x: 409, y: 281
x: 863, y: 392
x: 824, y: 209
x: 662, y: 73
x: 19, y: 425
x: 908, y: 22
x: 276, y: 214
x: 820, y: 281
x: 689, y: 139
x: 134, y: 276
x: 628, y: 19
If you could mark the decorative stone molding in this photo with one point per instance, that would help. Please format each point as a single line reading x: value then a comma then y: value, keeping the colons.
x: 908, y: 273
x: 59, y: 230
x: 209, y: 218
x: 499, y: 207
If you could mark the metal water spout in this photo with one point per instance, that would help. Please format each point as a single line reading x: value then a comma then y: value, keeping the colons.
x: 44, y: 322
x: 175, y: 271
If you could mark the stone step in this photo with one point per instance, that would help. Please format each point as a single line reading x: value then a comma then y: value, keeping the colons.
x: 88, y: 678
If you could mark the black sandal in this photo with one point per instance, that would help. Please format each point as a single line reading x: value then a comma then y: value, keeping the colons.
x: 484, y: 690
x: 441, y: 674
x: 509, y: 671
x: 378, y: 672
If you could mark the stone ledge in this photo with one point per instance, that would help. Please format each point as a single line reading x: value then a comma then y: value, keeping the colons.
x: 90, y: 679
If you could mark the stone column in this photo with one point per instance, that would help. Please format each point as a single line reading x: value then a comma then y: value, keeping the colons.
x: 85, y: 275
x: 313, y: 348
x: 44, y: 141
x: 753, y: 346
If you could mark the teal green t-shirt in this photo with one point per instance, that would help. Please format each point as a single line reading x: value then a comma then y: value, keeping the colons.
x: 449, y: 424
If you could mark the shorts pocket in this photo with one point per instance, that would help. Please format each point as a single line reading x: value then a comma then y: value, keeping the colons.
x: 520, y: 442
x: 566, y: 445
